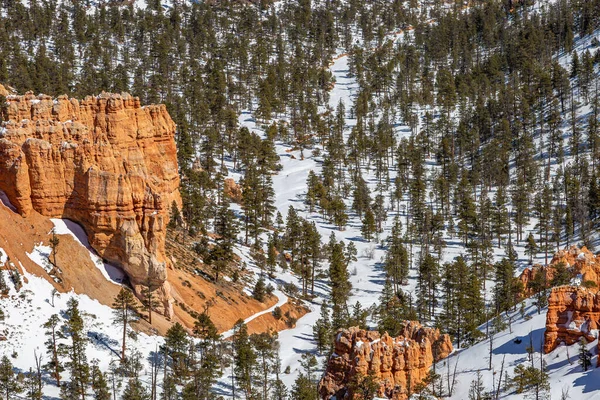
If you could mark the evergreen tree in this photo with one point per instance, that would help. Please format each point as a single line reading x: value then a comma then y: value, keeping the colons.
x: 585, y: 356
x: 125, y: 312
x: 134, y: 390
x: 244, y: 358
x: 76, y: 351
x: 52, y: 347
x: 340, y: 283
x: 9, y: 385
x: 100, y: 385
x: 176, y: 348
x: 531, y: 248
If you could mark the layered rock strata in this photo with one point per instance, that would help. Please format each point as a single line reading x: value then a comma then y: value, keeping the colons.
x: 573, y: 313
x: 105, y: 162
x: 397, y: 364
x: 579, y: 263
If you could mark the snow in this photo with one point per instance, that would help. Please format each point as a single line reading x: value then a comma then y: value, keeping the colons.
x: 282, y: 299
x: 32, y: 306
x: 562, y: 366
x: 3, y: 257
x: 68, y: 227
x: 40, y: 255
x: 6, y: 202
x: 27, y: 310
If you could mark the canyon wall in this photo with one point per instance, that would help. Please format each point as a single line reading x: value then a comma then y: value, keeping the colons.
x: 105, y: 162
x: 396, y: 363
x: 573, y: 310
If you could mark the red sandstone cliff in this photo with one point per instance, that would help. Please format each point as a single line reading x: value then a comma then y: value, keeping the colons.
x: 105, y: 162
x: 395, y: 362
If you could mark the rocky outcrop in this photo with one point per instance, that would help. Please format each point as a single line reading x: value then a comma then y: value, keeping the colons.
x: 396, y: 363
x: 578, y: 262
x: 232, y: 190
x: 105, y: 162
x: 573, y: 311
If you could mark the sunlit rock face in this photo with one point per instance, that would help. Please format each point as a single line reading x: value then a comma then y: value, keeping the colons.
x: 396, y: 363
x: 105, y: 162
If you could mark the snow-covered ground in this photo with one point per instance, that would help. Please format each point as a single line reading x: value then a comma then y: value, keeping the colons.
x: 509, y: 346
x: 28, y: 309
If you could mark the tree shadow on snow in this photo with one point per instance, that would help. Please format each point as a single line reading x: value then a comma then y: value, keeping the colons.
x: 590, y: 380
x: 102, y: 340
x: 511, y: 347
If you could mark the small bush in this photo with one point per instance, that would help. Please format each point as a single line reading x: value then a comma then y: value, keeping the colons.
x: 290, y: 289
x: 277, y: 313
x: 589, y: 284
x: 270, y: 289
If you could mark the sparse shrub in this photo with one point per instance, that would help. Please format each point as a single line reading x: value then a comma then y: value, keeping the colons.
x: 270, y: 289
x: 260, y: 289
x: 290, y: 289
x: 589, y: 284
x: 277, y: 313
x: 290, y: 321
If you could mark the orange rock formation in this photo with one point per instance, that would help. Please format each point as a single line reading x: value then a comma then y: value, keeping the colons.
x: 105, y: 162
x: 579, y: 262
x: 395, y: 362
x: 573, y: 313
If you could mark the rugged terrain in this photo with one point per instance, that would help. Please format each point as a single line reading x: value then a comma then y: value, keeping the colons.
x: 397, y: 364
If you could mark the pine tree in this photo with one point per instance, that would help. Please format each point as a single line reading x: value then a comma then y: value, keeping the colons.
x: 244, y: 357
x: 531, y: 248
x: 340, y: 283
x: 396, y: 258
x: 266, y: 348
x: 54, y: 241
x: 585, y: 356
x: 477, y: 389
x: 76, y: 351
x: 368, y: 225
x: 125, y: 312
x: 260, y: 289
x: 427, y: 282
x: 52, y: 348
x: 176, y: 349
x: 322, y: 331
x: 9, y: 385
x: 100, y: 385
x: 33, y: 385
x: 134, y: 390
x: 148, y: 300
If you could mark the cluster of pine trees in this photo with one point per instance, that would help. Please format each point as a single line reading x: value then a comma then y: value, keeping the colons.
x: 186, y: 366
x: 502, y: 135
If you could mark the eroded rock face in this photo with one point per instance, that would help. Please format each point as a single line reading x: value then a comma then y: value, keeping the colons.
x: 106, y: 162
x: 578, y: 262
x: 395, y: 362
x: 573, y: 313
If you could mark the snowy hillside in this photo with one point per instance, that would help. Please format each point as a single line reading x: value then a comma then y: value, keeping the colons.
x: 453, y: 142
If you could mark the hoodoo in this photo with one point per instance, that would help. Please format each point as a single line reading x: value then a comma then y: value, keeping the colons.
x: 105, y: 162
x: 395, y: 363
